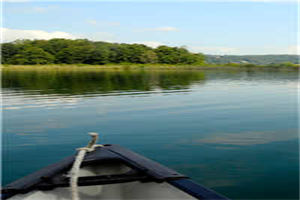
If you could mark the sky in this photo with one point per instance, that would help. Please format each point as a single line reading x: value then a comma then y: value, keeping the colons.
x: 220, y: 27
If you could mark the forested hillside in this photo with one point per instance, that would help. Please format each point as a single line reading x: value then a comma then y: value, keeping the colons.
x: 58, y: 51
x: 81, y: 51
x: 252, y: 59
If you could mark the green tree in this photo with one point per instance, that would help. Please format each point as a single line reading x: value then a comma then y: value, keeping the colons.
x: 8, y: 50
x: 64, y: 56
x: 76, y: 52
x: 175, y: 55
x: 99, y: 56
x: 165, y: 55
x: 149, y: 56
x: 88, y: 52
x: 53, y: 46
x: 32, y: 55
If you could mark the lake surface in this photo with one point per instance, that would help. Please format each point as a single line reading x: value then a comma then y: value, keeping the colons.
x: 235, y: 131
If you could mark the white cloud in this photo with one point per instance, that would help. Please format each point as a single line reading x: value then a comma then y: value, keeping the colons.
x: 102, y: 23
x: 9, y: 35
x: 288, y: 49
x: 100, y: 36
x: 293, y: 49
x: 41, y: 9
x: 254, y: 50
x: 113, y: 23
x: 214, y: 50
x: 91, y: 22
x: 32, y: 9
x: 160, y: 29
x: 152, y: 44
x: 165, y: 29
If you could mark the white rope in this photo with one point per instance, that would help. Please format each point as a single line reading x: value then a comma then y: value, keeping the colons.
x: 76, y: 165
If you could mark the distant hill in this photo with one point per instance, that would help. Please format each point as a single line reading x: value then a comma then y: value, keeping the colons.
x: 253, y: 59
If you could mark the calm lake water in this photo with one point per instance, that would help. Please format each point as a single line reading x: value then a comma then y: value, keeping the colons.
x: 234, y: 131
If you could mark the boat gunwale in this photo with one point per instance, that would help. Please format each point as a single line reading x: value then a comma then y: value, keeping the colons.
x: 149, y: 170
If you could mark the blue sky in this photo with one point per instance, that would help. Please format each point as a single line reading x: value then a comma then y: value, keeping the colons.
x: 213, y: 27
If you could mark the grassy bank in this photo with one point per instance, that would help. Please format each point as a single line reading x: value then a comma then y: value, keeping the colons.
x: 122, y: 67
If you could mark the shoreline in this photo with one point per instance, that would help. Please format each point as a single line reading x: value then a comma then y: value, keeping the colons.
x: 150, y: 67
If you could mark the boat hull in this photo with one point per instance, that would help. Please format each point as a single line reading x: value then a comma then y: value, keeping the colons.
x: 109, y: 172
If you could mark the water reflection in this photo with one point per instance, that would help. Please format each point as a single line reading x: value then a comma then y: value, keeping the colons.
x: 232, y: 130
x: 249, y: 138
x: 86, y: 82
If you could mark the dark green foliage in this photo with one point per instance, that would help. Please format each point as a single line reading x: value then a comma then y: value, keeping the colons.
x: 148, y: 56
x: 31, y: 55
x: 174, y: 55
x: 167, y: 55
x: 8, y: 50
x: 64, y: 51
x: 98, y: 56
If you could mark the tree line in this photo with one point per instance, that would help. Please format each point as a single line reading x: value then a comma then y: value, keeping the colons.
x: 82, y: 51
